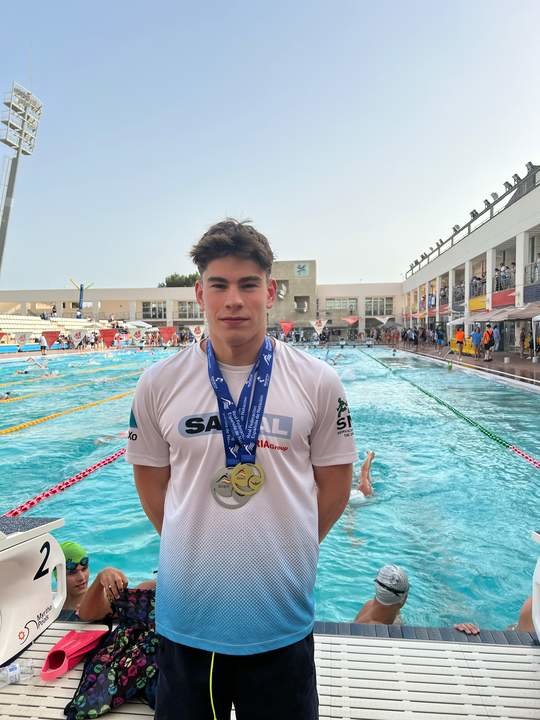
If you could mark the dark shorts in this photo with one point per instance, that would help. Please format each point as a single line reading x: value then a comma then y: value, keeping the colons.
x: 276, y: 684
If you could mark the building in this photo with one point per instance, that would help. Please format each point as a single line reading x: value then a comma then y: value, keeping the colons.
x: 488, y: 270
x: 300, y: 300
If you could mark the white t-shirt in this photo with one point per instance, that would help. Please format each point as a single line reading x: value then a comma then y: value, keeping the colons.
x: 43, y: 341
x: 239, y: 581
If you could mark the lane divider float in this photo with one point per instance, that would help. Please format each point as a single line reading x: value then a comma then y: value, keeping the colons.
x: 60, y: 487
x: 493, y: 436
x: 38, y: 421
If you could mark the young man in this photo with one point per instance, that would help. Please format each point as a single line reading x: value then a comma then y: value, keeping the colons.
x: 242, y: 449
x: 391, y: 591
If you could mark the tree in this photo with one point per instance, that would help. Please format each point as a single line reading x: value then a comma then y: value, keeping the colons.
x: 176, y: 280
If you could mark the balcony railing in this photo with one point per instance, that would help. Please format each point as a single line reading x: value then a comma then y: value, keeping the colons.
x: 477, y: 287
x: 458, y: 295
x: 532, y: 273
x: 504, y: 281
x: 443, y: 296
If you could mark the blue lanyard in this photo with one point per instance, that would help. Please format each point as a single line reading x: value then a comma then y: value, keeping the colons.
x: 240, y: 425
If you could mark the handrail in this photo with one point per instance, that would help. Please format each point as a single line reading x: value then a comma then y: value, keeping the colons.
x: 462, y: 232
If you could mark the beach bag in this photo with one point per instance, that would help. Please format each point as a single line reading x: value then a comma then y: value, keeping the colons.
x: 124, y: 665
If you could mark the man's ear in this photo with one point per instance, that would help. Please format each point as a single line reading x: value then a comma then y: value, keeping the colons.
x: 199, y: 294
x: 271, y: 293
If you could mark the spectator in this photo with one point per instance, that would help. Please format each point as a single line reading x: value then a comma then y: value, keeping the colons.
x: 488, y: 342
x: 460, y: 339
x: 43, y: 344
x: 496, y: 338
x: 476, y: 337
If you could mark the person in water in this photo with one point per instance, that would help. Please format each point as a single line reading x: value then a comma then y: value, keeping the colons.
x: 391, y: 592
x: 364, y: 488
x: 108, y: 582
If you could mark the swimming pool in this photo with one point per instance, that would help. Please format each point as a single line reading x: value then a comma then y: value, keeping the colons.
x: 451, y: 506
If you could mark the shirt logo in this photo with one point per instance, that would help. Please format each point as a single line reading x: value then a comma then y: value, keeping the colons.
x: 277, y: 426
x: 132, y: 427
x: 343, y: 422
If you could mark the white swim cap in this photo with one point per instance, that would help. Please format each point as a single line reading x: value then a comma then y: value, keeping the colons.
x: 391, y: 585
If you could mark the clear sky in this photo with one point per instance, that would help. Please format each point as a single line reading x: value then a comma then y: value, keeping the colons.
x: 349, y: 131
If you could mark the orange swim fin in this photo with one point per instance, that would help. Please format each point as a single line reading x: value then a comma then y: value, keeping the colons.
x: 69, y: 651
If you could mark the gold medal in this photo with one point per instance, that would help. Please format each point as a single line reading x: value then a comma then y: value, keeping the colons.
x: 247, y: 479
x: 233, y: 487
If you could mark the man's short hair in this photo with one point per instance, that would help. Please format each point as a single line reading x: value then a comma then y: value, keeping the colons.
x: 231, y: 237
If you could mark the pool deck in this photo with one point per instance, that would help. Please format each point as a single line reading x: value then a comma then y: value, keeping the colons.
x: 518, y: 369
x: 360, y: 677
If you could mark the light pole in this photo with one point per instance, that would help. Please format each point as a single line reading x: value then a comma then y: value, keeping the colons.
x: 21, y: 121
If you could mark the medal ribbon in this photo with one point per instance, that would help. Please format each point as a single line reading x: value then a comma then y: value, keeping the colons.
x: 240, y: 425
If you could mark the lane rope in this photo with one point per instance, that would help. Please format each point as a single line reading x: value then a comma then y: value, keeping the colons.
x: 60, y: 487
x: 38, y: 421
x: 18, y: 398
x: 493, y: 436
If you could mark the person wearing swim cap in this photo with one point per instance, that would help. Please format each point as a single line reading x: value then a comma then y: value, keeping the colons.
x: 108, y: 584
x: 391, y: 592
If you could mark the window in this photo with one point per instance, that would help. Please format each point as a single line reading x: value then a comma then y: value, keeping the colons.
x: 301, y: 303
x: 189, y: 310
x: 379, y: 306
x: 345, y: 305
x: 154, y: 310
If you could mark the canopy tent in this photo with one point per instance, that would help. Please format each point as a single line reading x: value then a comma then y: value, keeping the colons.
x: 456, y: 321
x: 527, y: 312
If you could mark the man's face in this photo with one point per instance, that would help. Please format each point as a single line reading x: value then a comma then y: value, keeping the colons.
x: 77, y: 581
x: 235, y: 295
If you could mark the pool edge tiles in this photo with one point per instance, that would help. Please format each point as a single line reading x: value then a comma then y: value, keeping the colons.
x: 433, y: 634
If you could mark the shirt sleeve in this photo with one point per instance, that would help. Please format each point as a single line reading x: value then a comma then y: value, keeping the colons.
x: 146, y: 444
x: 332, y: 438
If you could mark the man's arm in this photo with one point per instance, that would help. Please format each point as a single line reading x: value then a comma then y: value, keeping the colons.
x: 334, y: 487
x: 151, y: 484
x: 107, y: 586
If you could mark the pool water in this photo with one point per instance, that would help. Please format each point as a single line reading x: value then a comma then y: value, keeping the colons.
x: 451, y: 506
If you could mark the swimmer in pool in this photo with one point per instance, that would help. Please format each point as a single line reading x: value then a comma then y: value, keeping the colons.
x: 364, y: 488
x: 110, y: 438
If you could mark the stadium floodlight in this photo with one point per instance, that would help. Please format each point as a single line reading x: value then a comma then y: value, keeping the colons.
x: 508, y: 186
x: 530, y: 167
x: 473, y: 214
x: 516, y: 178
x: 456, y: 229
x: 21, y: 120
x: 487, y: 204
x: 431, y: 248
x: 495, y: 196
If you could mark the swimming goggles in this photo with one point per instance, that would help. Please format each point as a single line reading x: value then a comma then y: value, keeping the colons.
x: 392, y: 590
x: 71, y: 567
